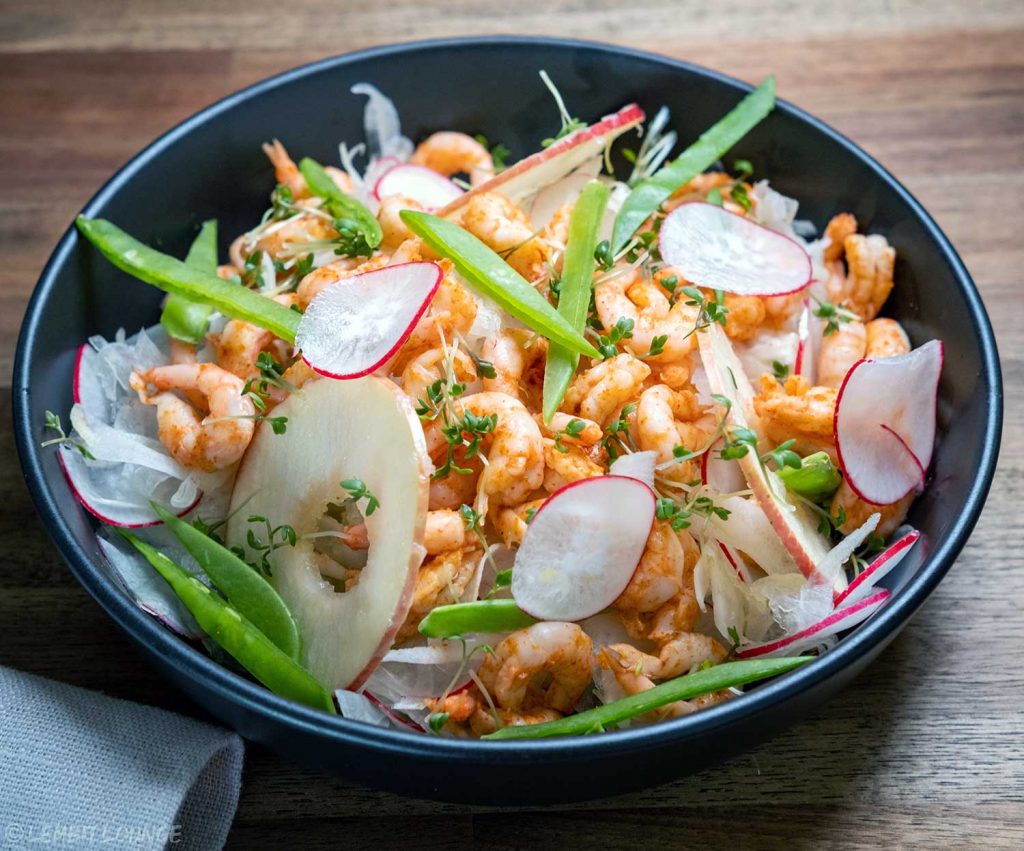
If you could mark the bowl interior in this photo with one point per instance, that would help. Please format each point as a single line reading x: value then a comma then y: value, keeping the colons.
x: 212, y: 167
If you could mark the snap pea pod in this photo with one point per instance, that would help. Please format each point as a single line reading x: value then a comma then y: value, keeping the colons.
x: 245, y: 589
x: 574, y: 291
x: 815, y: 479
x: 339, y: 204
x: 237, y: 634
x: 487, y: 272
x: 649, y: 194
x: 172, y: 276
x: 182, y: 318
x: 478, y: 616
x: 599, y: 718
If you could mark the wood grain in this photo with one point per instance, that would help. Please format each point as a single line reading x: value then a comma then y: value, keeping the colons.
x: 926, y: 747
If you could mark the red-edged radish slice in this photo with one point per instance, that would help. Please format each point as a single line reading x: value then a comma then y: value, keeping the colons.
x: 742, y: 569
x: 423, y: 185
x: 100, y: 488
x: 528, y: 176
x: 395, y: 718
x: 794, y: 523
x: 885, y: 423
x: 86, y: 388
x: 714, y: 248
x: 809, y: 333
x: 636, y: 465
x: 841, y: 619
x: 354, y: 326
x: 582, y: 548
x: 720, y: 475
x: 864, y: 583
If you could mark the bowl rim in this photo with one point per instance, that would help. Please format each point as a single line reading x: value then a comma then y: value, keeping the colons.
x: 254, y: 698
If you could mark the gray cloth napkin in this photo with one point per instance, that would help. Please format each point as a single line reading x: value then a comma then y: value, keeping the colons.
x: 82, y: 770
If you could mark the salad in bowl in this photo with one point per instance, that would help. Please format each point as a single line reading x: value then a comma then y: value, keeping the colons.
x: 510, y: 450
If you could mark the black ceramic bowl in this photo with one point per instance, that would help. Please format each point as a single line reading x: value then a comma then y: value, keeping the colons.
x: 211, y: 166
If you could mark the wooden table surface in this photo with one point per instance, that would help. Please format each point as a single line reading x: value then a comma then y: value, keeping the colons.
x: 927, y: 746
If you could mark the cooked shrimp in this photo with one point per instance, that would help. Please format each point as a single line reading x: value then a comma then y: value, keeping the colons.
x: 858, y: 511
x: 451, y: 153
x: 512, y: 523
x: 442, y: 581
x: 506, y: 229
x: 797, y: 411
x: 870, y: 261
x: 545, y: 665
x: 659, y: 575
x: 514, y: 449
x: 587, y: 432
x: 569, y: 464
x: 504, y: 351
x: 484, y: 720
x: 239, y: 345
x: 886, y: 339
x: 451, y: 312
x: 597, y: 393
x: 675, y: 375
x: 288, y: 174
x: 427, y: 367
x: 746, y: 314
x: 393, y: 229
x: 210, y: 443
x: 631, y: 295
x: 839, y: 227
x: 840, y: 350
x: 666, y: 419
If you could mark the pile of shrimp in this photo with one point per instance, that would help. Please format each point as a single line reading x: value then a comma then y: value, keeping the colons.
x: 632, y: 401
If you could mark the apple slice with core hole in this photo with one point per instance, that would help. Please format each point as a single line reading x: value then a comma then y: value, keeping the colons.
x: 794, y: 523
x: 582, y: 548
x: 423, y: 185
x: 839, y: 620
x: 885, y: 423
x: 863, y: 584
x: 354, y: 326
x: 528, y: 176
x: 716, y: 249
x: 340, y: 430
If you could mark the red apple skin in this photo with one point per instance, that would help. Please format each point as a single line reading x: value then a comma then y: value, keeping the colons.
x: 626, y: 118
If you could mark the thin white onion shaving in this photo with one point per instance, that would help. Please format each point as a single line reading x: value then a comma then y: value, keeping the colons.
x: 382, y: 126
x: 830, y: 568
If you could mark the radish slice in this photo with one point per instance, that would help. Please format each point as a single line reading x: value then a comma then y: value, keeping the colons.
x: 423, y: 185
x: 839, y: 620
x: 885, y: 423
x: 582, y: 548
x: 86, y: 388
x: 794, y: 523
x: 864, y: 583
x: 395, y: 718
x: 528, y: 176
x: 636, y: 465
x: 714, y: 248
x: 355, y: 325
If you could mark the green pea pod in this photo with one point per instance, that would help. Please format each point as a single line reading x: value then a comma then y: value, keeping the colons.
x: 711, y: 679
x: 575, y: 289
x: 651, y: 193
x: 237, y: 634
x: 183, y: 318
x: 339, y: 204
x: 172, y: 276
x: 478, y: 616
x: 493, y: 277
x: 816, y: 478
x: 245, y: 589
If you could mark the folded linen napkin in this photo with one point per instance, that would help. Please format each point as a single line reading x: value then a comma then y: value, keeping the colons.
x: 79, y: 769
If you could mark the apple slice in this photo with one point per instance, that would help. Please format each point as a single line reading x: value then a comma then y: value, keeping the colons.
x: 354, y: 326
x: 719, y: 250
x: 794, y: 523
x: 423, y: 185
x: 582, y: 548
x: 365, y: 430
x: 636, y: 465
x: 839, y: 620
x: 885, y: 423
x: 865, y: 581
x: 547, y: 202
x: 528, y: 176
